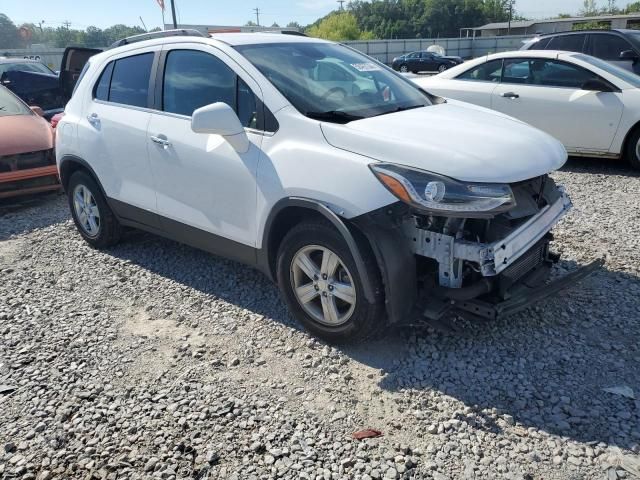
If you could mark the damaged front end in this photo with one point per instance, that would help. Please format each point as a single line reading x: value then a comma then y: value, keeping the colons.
x: 487, y: 264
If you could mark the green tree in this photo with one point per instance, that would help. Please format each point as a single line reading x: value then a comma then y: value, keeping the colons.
x: 632, y: 7
x: 275, y: 25
x: 589, y: 8
x: 9, y: 37
x: 295, y: 25
x: 337, y: 27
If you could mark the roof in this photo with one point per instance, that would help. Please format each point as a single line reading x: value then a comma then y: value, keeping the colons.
x: 252, y: 38
x: 530, y: 23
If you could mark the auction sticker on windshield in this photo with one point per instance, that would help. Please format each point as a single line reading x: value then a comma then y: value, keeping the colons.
x: 365, y: 67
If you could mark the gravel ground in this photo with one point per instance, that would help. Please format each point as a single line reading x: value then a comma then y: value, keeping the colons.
x: 154, y: 360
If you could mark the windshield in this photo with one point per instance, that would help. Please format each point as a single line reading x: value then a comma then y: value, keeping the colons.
x: 332, y: 82
x: 621, y: 73
x: 25, y: 67
x: 10, y: 105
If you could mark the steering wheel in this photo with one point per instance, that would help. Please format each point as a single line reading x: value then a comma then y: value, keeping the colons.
x: 334, y: 91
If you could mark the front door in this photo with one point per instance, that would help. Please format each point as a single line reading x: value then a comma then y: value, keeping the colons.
x: 201, y: 181
x: 547, y: 94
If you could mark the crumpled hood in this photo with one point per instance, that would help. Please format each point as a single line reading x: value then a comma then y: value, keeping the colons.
x: 454, y: 139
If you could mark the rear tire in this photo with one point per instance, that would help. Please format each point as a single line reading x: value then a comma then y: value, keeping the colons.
x: 316, y: 273
x: 93, y: 218
x: 632, y: 152
x: 442, y: 68
x: 404, y: 69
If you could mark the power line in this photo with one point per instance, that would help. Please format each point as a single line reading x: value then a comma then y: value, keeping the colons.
x: 257, y: 10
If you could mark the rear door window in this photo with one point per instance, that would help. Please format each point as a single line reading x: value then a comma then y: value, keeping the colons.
x: 486, y: 72
x: 568, y: 43
x: 130, y: 80
x: 608, y: 47
x: 101, y: 91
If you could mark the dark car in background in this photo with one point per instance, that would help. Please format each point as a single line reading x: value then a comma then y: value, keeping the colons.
x: 37, y: 84
x: 620, y: 47
x: 424, y: 62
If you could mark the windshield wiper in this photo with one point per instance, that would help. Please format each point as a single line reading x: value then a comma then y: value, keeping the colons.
x: 334, y: 116
x: 400, y: 109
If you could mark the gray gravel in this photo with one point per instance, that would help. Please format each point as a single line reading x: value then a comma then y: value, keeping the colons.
x: 154, y: 360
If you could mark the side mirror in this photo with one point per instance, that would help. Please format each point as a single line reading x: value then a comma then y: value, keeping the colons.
x: 38, y: 111
x: 596, y: 85
x: 220, y: 119
x: 628, y: 55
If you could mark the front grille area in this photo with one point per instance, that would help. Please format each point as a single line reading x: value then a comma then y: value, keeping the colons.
x: 25, y: 161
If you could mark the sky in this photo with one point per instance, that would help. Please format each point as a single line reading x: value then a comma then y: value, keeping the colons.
x: 82, y: 13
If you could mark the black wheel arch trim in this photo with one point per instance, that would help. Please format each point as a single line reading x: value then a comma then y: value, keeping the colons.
x: 397, y: 264
x: 64, y: 178
x: 265, y: 256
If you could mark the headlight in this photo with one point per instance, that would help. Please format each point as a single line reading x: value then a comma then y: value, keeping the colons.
x: 442, y: 195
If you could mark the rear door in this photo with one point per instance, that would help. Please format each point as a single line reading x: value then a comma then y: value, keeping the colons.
x: 547, y: 94
x: 114, y: 132
x: 74, y: 60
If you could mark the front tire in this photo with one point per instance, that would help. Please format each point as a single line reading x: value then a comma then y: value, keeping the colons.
x: 632, y: 153
x: 322, y: 286
x: 93, y: 218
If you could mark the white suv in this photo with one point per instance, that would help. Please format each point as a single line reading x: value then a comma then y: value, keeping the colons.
x: 370, y: 202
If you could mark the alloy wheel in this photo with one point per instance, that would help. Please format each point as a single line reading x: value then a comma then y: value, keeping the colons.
x: 86, y: 210
x: 323, y: 285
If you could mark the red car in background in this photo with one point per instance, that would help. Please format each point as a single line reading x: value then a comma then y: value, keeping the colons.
x: 27, y: 160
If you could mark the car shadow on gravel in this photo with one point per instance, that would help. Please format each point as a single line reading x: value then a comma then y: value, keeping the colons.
x: 544, y: 368
x: 600, y: 166
x: 24, y: 214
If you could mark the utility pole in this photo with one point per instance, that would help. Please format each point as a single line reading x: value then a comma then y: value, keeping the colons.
x: 257, y: 10
x: 66, y: 24
x: 143, y: 25
x: 341, y: 2
x: 510, y: 16
x: 173, y: 14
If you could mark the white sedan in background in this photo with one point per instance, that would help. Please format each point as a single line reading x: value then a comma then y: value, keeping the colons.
x: 591, y: 106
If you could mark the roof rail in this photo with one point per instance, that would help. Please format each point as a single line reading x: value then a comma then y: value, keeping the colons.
x: 182, y: 32
x: 285, y: 32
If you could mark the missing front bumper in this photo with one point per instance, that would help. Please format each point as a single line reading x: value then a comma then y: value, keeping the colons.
x: 522, y: 297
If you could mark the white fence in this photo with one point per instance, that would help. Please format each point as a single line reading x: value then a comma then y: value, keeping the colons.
x: 386, y: 50
x: 383, y: 50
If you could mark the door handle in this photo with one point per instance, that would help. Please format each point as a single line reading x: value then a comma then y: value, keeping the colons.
x: 510, y: 95
x: 93, y: 119
x: 161, y: 141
